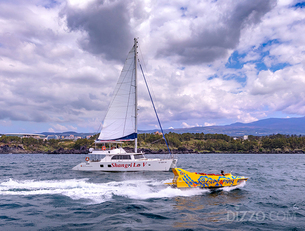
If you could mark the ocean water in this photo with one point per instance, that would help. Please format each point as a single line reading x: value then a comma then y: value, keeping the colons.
x: 41, y: 192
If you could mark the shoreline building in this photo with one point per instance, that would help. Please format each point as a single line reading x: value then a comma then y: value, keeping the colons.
x: 26, y: 135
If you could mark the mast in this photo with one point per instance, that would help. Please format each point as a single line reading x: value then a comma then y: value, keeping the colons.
x: 136, y: 96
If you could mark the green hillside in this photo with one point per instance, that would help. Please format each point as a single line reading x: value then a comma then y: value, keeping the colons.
x: 154, y: 143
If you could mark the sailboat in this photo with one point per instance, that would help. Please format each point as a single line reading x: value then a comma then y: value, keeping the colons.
x: 119, y: 125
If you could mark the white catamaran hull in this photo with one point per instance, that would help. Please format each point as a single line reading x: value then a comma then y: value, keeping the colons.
x: 128, y: 166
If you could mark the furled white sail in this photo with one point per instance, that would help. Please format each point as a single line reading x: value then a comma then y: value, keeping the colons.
x: 120, y: 120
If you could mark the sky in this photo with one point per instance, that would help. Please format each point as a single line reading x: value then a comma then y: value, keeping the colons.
x: 211, y: 62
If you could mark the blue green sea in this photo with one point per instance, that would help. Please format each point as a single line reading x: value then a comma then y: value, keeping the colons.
x: 41, y: 192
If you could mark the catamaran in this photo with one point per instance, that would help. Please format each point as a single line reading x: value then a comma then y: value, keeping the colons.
x: 120, y: 124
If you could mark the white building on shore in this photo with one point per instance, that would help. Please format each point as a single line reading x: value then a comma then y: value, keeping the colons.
x: 27, y: 135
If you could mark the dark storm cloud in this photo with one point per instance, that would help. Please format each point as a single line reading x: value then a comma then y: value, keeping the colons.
x: 207, y: 45
x: 107, y: 27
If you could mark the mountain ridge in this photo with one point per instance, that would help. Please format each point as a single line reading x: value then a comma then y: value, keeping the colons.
x: 269, y: 126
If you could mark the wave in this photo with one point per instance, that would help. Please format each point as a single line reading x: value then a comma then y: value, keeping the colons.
x: 228, y: 189
x: 82, y: 189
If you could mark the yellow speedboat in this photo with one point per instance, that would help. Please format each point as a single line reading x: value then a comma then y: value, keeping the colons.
x: 185, y: 179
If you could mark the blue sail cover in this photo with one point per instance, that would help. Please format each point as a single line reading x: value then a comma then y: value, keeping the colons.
x: 128, y: 138
x: 120, y: 120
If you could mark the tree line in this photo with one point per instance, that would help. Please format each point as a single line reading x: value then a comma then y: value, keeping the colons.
x: 200, y: 142
x: 185, y: 143
x: 33, y: 145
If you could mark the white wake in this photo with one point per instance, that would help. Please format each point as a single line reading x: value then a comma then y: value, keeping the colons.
x: 82, y: 189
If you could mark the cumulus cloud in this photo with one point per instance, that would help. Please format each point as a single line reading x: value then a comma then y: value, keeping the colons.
x: 185, y: 125
x: 106, y: 25
x: 208, y: 124
x: 51, y: 130
x: 213, y: 30
x: 207, y: 62
x: 45, y: 76
x: 61, y: 128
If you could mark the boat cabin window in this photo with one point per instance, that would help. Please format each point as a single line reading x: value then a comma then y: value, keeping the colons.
x: 121, y: 157
x: 139, y: 156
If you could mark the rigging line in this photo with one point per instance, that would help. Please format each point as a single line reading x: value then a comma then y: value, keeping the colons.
x: 154, y: 107
x: 144, y: 66
x: 156, y: 141
x: 142, y: 58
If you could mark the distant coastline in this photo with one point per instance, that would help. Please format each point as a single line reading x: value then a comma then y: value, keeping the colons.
x: 19, y: 150
x: 153, y: 143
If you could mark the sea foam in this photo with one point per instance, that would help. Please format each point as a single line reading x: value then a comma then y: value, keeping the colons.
x: 82, y: 189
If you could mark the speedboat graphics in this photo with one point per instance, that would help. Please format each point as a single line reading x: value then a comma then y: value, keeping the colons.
x: 185, y: 179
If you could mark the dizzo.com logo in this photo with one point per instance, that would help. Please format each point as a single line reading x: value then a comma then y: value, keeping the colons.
x: 260, y: 216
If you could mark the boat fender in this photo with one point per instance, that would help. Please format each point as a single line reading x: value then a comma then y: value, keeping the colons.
x: 87, y: 158
x: 104, y: 148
